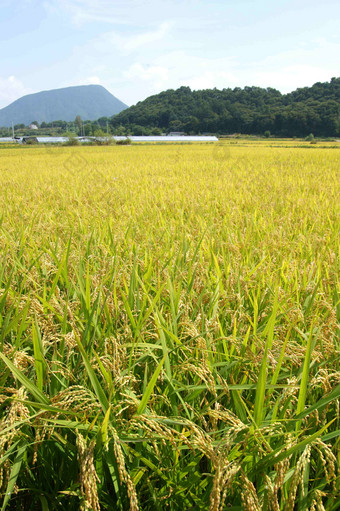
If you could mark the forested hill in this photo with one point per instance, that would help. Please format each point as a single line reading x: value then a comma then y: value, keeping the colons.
x: 252, y: 110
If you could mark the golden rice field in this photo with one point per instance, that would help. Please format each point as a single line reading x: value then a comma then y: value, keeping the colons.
x: 170, y: 320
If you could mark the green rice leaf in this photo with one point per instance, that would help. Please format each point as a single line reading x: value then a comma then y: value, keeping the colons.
x: 150, y: 387
x: 15, y: 470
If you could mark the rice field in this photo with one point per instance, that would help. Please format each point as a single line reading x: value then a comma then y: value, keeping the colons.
x: 170, y: 320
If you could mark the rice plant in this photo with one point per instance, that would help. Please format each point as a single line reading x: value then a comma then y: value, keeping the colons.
x: 170, y: 320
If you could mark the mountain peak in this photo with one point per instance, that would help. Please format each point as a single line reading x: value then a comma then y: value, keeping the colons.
x: 88, y: 101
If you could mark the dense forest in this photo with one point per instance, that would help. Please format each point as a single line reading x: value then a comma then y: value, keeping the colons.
x: 252, y: 110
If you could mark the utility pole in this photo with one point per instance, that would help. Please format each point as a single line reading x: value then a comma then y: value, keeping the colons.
x: 12, y: 130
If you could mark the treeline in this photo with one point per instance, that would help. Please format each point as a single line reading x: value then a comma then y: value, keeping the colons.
x: 98, y: 128
x: 252, y: 110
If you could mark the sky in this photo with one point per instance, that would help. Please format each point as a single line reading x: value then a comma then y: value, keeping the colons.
x: 136, y: 48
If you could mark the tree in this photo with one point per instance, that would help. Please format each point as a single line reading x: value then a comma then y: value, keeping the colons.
x: 72, y: 139
x: 88, y: 129
x: 79, y: 123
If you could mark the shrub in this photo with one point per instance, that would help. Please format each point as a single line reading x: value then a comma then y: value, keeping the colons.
x: 125, y: 141
x: 72, y: 139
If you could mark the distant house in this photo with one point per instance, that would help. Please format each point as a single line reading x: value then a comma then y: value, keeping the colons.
x: 176, y: 134
x: 33, y: 127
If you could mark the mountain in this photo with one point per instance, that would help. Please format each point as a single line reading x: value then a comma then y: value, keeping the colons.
x: 88, y: 101
x: 252, y: 110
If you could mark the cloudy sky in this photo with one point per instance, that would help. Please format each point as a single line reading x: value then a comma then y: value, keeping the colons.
x: 136, y: 48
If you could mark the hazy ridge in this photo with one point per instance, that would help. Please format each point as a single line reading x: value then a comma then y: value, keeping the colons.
x: 89, y: 101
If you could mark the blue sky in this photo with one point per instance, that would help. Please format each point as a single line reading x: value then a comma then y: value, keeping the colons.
x: 136, y: 48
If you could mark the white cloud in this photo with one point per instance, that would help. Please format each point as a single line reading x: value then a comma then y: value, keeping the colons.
x: 135, y: 42
x: 82, y: 80
x: 289, y: 78
x: 90, y: 80
x: 198, y: 72
x: 81, y: 12
x: 210, y: 79
x: 316, y: 62
x: 156, y: 75
x: 112, y: 42
x: 11, y: 89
